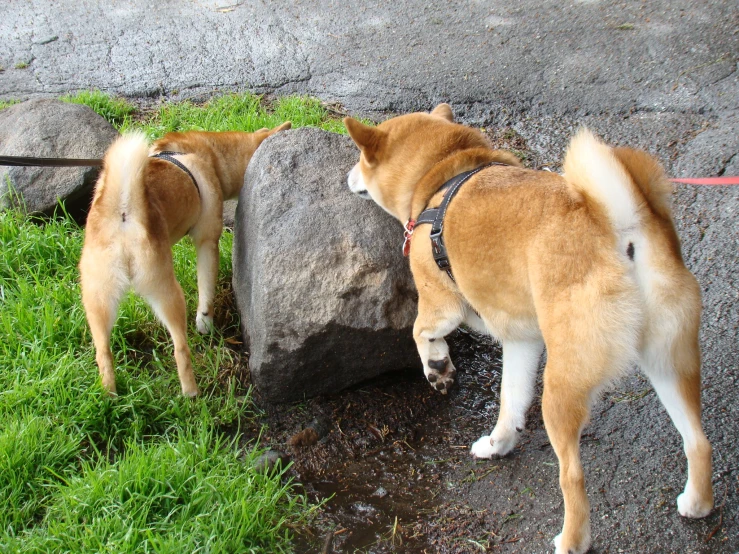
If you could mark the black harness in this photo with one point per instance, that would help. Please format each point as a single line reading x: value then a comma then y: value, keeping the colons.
x: 168, y: 156
x: 435, y: 217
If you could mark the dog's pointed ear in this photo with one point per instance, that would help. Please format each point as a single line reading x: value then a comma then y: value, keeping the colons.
x: 367, y: 138
x: 444, y: 111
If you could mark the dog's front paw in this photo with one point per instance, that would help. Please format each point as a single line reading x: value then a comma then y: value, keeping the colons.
x: 204, y: 323
x: 482, y: 448
x: 503, y: 440
x: 689, y: 504
x: 498, y: 443
x: 441, y: 374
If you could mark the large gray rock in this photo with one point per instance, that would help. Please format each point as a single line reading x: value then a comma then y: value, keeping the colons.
x: 51, y: 129
x: 325, y: 296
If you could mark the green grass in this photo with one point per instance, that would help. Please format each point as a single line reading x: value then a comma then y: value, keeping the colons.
x: 117, y: 111
x: 148, y: 471
x: 185, y: 496
x: 231, y: 112
x: 7, y: 103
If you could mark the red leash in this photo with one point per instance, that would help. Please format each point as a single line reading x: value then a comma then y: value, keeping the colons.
x: 709, y: 181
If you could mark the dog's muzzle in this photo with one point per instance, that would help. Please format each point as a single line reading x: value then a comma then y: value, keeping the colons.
x: 356, y: 183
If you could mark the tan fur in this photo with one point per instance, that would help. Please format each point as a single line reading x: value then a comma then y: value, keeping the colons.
x: 545, y: 259
x: 141, y: 207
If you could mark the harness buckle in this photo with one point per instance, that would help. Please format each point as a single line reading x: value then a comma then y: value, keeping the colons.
x: 439, y: 250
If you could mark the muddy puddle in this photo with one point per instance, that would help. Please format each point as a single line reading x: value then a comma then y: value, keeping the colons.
x: 381, y: 454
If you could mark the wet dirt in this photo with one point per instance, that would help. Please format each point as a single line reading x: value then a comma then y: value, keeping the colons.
x: 388, y: 451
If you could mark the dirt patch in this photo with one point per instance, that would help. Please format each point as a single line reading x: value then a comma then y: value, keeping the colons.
x: 387, y: 453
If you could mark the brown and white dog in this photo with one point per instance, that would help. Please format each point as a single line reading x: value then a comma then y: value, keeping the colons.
x: 143, y: 205
x: 588, y: 264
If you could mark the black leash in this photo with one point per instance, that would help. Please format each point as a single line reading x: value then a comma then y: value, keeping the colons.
x: 168, y: 156
x: 27, y: 161
x: 435, y: 217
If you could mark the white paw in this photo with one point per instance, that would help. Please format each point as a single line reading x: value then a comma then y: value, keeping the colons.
x: 482, y: 448
x: 204, y: 323
x: 499, y: 443
x: 689, y: 504
x: 503, y: 440
x: 559, y: 549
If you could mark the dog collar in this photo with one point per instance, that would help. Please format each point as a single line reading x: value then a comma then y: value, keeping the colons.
x: 168, y: 156
x: 435, y: 217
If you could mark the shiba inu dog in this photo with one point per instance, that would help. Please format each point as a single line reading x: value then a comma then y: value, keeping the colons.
x: 587, y: 264
x: 147, y: 199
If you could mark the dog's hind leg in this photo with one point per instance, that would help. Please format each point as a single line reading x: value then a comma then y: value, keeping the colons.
x: 670, y: 357
x: 439, y: 314
x: 165, y: 295
x: 520, y: 362
x: 566, y: 407
x: 102, y: 290
x: 591, y: 339
x: 206, y: 235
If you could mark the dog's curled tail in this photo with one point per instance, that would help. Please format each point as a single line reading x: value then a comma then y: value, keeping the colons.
x: 123, y: 168
x: 627, y: 183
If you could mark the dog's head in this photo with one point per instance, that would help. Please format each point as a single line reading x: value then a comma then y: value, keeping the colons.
x: 397, y: 153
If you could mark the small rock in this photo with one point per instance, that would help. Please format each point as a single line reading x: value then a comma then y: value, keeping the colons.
x: 52, y: 129
x: 364, y: 509
x: 320, y: 426
x: 380, y: 492
x: 268, y: 461
x: 229, y: 212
